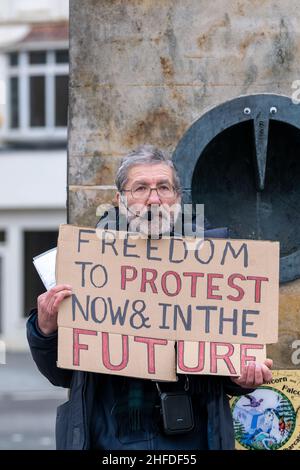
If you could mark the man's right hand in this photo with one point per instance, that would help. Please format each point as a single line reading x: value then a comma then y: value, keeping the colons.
x: 48, y: 304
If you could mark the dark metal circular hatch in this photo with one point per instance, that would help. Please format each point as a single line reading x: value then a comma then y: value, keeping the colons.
x: 241, y: 160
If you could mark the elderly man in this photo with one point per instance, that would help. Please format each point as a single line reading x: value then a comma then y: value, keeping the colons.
x: 112, y: 412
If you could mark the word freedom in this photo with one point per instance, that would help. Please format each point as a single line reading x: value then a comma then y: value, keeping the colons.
x: 179, y: 250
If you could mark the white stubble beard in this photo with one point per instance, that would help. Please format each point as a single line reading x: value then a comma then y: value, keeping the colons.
x: 163, y: 219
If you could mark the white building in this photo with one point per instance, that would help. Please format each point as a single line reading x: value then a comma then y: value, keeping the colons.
x: 33, y: 156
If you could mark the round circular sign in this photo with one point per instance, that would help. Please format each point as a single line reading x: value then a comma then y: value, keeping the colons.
x: 264, y: 419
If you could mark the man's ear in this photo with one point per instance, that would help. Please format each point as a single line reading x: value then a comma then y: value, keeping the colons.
x: 116, y: 198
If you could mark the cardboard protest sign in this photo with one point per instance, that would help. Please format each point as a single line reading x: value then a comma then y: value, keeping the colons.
x: 212, y: 358
x: 213, y: 291
x: 116, y: 354
x: 268, y: 418
x: 224, y: 289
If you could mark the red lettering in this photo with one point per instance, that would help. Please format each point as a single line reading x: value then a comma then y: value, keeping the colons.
x: 244, y: 357
x: 151, y: 342
x: 78, y: 346
x: 211, y: 287
x: 164, y: 284
x: 150, y: 281
x: 106, y: 354
x: 258, y: 280
x: 214, y: 357
x: 124, y: 277
x: 194, y: 277
x: 240, y: 290
x: 201, y: 357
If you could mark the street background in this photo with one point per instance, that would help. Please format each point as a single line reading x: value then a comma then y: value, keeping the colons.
x: 28, y: 405
x: 34, y: 71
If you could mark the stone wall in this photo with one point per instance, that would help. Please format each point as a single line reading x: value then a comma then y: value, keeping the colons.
x: 144, y: 71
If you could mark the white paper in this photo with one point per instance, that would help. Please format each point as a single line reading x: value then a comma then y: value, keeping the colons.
x: 45, y: 266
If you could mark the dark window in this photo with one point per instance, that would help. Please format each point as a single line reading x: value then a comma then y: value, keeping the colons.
x: 13, y: 59
x: 37, y: 57
x: 2, y: 236
x: 14, y: 102
x: 62, y: 56
x: 37, y: 101
x: 35, y: 243
x: 61, y: 100
x: 226, y: 184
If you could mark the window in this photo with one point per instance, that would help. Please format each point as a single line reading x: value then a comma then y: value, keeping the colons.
x: 34, y: 243
x: 62, y: 56
x: 14, y: 102
x: 13, y: 58
x: 37, y: 101
x: 37, y: 57
x: 2, y: 236
x: 61, y: 100
x: 38, y: 90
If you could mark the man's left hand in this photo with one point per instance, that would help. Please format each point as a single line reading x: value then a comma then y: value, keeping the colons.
x: 254, y: 375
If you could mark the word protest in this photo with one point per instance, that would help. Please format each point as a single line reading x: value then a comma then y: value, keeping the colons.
x: 151, y: 308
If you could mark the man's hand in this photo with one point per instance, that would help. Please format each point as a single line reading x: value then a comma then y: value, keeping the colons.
x: 255, y: 375
x: 48, y: 304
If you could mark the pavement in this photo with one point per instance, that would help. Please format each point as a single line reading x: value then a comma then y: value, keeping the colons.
x: 28, y: 405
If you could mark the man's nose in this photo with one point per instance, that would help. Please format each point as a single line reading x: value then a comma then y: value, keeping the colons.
x: 153, y: 197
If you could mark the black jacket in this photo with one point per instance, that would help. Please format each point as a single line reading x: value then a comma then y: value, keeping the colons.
x: 92, y: 393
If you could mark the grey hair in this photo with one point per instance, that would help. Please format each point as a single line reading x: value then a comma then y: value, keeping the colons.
x: 145, y: 155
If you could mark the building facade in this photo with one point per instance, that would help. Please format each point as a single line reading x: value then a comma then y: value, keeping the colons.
x: 34, y: 69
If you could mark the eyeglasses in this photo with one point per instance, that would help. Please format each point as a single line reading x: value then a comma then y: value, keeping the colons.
x: 143, y: 191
